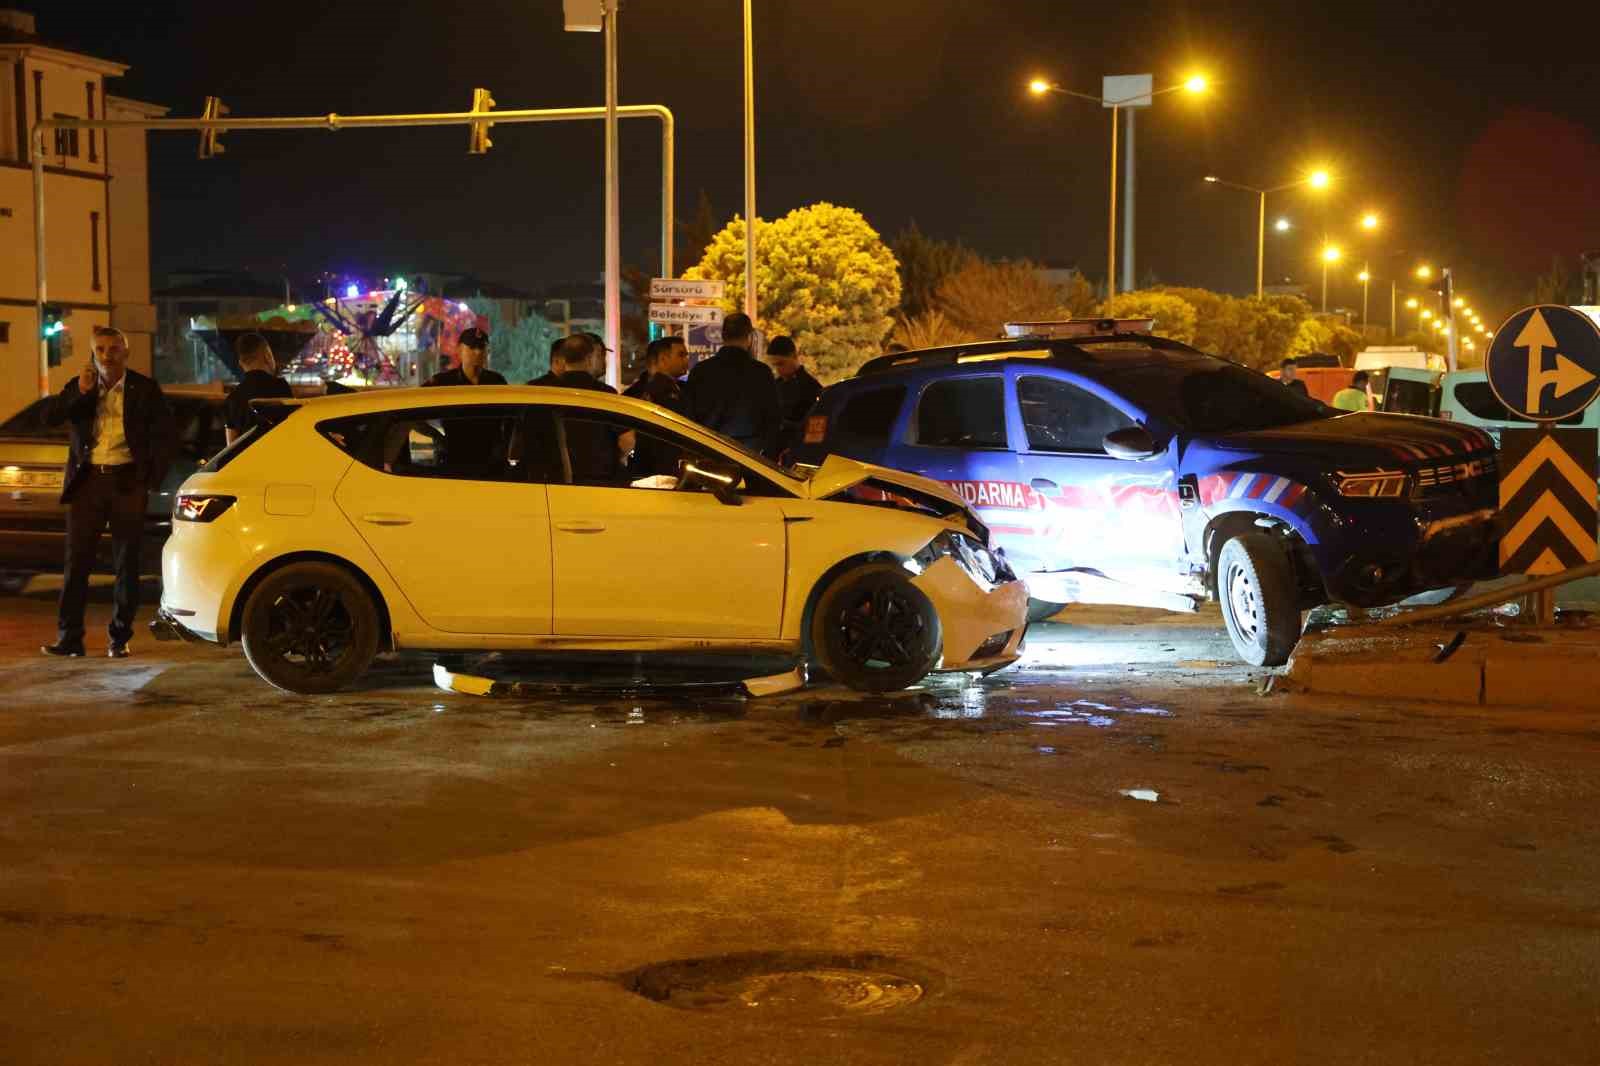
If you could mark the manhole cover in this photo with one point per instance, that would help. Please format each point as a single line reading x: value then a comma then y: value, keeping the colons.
x: 788, y: 985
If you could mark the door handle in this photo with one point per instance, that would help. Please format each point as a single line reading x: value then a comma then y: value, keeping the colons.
x: 385, y: 518
x: 1043, y: 483
x: 581, y: 527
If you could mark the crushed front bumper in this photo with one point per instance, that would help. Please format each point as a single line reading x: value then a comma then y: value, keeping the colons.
x: 1449, y: 550
x: 983, y: 627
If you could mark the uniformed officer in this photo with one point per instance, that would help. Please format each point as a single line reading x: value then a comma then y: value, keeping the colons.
x: 473, y: 351
x: 260, y: 381
x: 665, y: 361
x: 598, y: 451
x: 797, y: 390
x: 733, y: 392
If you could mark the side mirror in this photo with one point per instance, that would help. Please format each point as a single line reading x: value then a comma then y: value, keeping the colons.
x: 719, y: 479
x: 1134, y: 442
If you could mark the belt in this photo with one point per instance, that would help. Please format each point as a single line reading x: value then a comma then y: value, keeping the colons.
x: 100, y: 468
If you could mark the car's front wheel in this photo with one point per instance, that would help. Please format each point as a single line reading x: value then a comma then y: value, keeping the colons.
x: 1255, y: 582
x: 875, y: 631
x: 310, y: 628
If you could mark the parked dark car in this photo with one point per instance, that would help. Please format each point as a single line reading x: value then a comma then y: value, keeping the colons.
x: 33, y: 455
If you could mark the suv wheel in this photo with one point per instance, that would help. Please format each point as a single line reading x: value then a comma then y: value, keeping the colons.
x: 310, y: 628
x: 875, y: 631
x: 1255, y: 583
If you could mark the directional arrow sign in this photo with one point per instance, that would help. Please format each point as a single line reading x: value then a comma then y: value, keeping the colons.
x: 1544, y: 363
x: 1547, y: 499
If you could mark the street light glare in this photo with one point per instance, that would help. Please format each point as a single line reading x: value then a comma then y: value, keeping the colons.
x: 1412, y: 303
x: 1331, y: 253
x: 1363, y: 276
x: 1369, y: 221
x: 1424, y: 272
x: 1282, y: 225
x: 1427, y: 315
x: 1197, y: 83
x: 1319, y: 179
x: 1038, y: 86
x: 1459, y: 302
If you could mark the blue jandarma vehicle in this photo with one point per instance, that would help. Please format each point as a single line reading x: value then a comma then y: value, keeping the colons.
x: 1113, y: 466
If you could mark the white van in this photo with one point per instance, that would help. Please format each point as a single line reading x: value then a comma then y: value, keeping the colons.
x: 1465, y: 396
x: 1380, y: 356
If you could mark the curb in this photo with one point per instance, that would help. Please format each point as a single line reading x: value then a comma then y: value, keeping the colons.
x: 1555, y: 669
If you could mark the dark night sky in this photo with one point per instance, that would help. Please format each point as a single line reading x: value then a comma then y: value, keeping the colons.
x: 1474, y: 137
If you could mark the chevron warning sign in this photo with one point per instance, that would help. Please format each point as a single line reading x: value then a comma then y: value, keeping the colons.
x: 1547, y: 499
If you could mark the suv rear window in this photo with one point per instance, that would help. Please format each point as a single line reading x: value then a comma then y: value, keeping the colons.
x: 869, y: 416
x: 963, y: 413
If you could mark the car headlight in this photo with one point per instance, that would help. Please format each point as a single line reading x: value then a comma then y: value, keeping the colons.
x: 1373, y: 484
x: 985, y: 566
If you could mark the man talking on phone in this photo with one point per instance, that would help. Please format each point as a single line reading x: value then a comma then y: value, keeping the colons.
x: 123, y: 439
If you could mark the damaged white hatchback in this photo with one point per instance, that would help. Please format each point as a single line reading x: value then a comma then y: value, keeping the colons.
x: 512, y: 518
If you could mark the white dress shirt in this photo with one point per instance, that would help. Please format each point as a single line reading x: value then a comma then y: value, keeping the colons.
x: 110, y: 437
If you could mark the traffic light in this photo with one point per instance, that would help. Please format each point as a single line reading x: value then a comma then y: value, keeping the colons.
x: 54, y: 321
x: 479, y: 142
x: 211, y: 139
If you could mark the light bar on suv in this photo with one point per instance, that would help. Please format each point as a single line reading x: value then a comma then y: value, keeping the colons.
x: 1079, y: 327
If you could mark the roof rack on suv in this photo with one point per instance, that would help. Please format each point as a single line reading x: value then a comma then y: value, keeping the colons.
x: 1078, y: 327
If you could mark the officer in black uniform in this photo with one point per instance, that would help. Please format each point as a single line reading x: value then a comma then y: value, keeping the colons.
x: 597, y: 451
x: 473, y: 351
x: 734, y: 393
x: 260, y: 381
x: 797, y: 390
x: 665, y: 361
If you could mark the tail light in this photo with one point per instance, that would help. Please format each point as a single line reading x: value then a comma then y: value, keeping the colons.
x: 816, y: 429
x: 199, y: 507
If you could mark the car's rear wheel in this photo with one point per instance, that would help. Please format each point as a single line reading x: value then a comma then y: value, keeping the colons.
x: 1255, y: 582
x: 310, y: 628
x: 875, y: 631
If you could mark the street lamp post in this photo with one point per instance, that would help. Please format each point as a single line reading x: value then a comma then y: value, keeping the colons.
x: 1119, y: 93
x: 749, y: 168
x: 1330, y: 254
x: 1317, y: 179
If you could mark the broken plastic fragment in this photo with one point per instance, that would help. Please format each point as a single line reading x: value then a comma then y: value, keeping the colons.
x: 1149, y: 795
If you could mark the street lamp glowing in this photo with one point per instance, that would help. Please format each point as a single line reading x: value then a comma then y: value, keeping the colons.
x: 1411, y: 304
x: 1196, y: 83
x: 1364, y: 276
x: 1424, y: 272
x: 1427, y: 315
x: 1460, y: 301
x: 1331, y: 253
x: 1038, y: 86
x: 1369, y: 221
x: 1319, y: 179
x: 1282, y: 225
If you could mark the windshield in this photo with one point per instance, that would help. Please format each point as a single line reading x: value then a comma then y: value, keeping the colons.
x: 1204, y: 395
x: 790, y: 472
x: 29, y: 422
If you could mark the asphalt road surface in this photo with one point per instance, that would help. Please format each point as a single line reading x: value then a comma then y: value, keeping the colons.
x: 1117, y: 852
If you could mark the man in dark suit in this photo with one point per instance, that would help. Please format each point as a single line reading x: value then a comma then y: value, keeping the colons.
x: 734, y: 393
x: 123, y: 439
x: 797, y: 390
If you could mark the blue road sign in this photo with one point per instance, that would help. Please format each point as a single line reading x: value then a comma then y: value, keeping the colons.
x: 1545, y: 362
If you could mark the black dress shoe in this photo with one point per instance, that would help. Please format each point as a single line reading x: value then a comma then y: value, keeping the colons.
x: 63, y: 650
x: 117, y: 650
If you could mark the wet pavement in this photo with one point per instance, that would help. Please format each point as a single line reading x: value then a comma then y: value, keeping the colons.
x: 1116, y: 852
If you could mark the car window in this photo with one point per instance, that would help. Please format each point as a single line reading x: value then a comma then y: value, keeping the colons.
x: 615, y: 451
x: 963, y: 413
x: 29, y: 422
x: 1481, y: 402
x: 199, y: 426
x: 1411, y: 398
x: 1058, y: 416
x: 1204, y: 395
x: 467, y: 443
x: 869, y: 416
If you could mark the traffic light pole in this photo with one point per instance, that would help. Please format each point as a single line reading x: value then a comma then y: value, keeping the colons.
x: 330, y: 122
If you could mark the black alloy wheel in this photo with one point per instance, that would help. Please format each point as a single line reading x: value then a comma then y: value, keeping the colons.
x: 310, y: 628
x: 875, y: 631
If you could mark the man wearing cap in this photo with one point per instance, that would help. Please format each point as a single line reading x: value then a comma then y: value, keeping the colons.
x: 473, y: 351
x: 797, y: 389
x: 123, y: 440
x: 734, y: 393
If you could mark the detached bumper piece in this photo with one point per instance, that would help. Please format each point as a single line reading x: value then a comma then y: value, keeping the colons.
x: 474, y: 681
x: 165, y: 626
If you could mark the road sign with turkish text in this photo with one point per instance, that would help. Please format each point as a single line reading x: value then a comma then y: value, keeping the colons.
x: 684, y: 314
x: 679, y: 289
x: 1547, y: 499
x: 1544, y: 363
